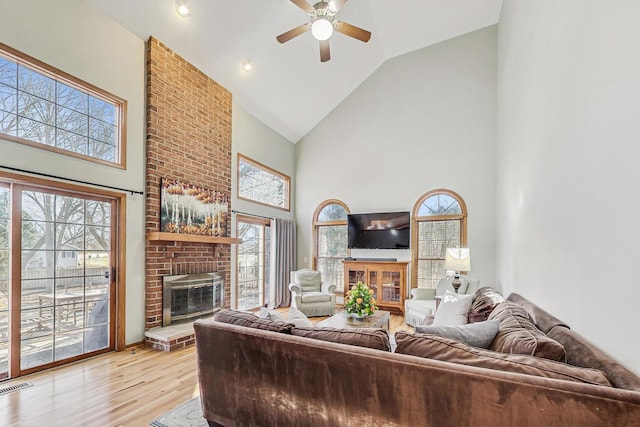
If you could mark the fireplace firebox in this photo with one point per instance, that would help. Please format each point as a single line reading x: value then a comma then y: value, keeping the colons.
x: 187, y: 297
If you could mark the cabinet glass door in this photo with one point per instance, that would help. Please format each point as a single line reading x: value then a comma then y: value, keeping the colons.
x: 373, y: 283
x: 356, y: 276
x: 391, y: 286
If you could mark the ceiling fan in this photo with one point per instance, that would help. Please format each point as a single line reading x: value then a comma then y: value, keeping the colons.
x: 322, y: 25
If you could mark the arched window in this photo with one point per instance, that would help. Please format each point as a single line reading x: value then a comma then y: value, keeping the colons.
x: 330, y: 241
x: 439, y: 222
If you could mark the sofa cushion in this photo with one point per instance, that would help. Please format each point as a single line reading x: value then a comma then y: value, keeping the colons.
x: 484, y: 301
x: 376, y: 338
x: 543, y: 320
x: 449, y: 350
x: 250, y: 320
x: 479, y: 334
x: 453, y: 309
x: 265, y: 313
x: 299, y: 319
x: 518, y: 334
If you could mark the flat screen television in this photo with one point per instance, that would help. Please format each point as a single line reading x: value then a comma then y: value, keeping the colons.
x: 385, y: 230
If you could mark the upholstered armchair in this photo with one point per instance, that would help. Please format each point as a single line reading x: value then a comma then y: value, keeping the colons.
x: 422, y: 303
x: 310, y: 295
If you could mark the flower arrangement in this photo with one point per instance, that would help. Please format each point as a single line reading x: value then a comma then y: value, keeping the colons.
x: 360, y: 300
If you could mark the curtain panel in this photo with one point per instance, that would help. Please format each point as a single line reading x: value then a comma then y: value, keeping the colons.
x: 283, y: 261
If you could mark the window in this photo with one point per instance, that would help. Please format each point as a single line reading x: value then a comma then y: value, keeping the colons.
x: 253, y: 262
x: 440, y: 218
x: 330, y: 246
x: 45, y: 108
x: 261, y: 184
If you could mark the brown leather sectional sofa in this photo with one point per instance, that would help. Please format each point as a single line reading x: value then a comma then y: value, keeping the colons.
x: 250, y: 376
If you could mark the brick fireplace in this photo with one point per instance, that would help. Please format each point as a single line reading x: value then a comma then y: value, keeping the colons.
x: 188, y: 139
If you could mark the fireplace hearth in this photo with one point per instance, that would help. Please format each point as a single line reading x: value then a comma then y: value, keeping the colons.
x: 187, y: 297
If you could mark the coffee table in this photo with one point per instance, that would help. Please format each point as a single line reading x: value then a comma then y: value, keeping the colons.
x: 379, y: 319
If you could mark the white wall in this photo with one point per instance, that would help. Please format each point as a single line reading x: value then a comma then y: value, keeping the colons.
x: 259, y: 142
x: 74, y: 38
x: 569, y: 97
x: 422, y: 121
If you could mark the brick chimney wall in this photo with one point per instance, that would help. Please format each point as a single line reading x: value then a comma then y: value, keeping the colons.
x: 188, y: 139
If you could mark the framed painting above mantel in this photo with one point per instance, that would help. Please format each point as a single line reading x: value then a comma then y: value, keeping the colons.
x: 192, y: 210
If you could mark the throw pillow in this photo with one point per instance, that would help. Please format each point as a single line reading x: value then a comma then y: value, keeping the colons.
x: 518, y: 334
x: 265, y: 313
x: 250, y: 320
x: 453, y: 309
x: 479, y: 334
x: 299, y: 319
x: 485, y: 300
x: 376, y: 338
x: 448, y: 350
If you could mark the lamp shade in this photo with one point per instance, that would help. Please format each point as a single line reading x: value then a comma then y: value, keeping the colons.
x: 457, y: 259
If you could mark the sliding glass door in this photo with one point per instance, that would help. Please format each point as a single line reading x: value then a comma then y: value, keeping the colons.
x: 253, y: 261
x: 56, y: 302
x: 4, y: 280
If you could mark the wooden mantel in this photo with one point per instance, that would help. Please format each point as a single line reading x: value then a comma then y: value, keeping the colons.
x: 159, y: 236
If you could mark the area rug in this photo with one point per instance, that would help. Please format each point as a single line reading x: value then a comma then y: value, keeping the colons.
x: 189, y: 414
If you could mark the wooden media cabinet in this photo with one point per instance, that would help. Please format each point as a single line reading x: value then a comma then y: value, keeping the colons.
x: 388, y: 279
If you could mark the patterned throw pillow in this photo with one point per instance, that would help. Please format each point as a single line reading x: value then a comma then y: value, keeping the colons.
x: 453, y: 309
x: 485, y: 300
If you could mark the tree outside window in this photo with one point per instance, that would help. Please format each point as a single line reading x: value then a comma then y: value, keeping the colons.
x: 440, y: 218
x: 261, y: 184
x: 330, y: 233
x: 41, y: 107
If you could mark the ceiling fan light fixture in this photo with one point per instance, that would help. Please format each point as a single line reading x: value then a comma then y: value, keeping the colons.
x: 182, y: 8
x: 322, y: 29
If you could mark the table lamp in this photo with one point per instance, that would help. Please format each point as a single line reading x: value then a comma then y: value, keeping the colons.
x: 457, y: 260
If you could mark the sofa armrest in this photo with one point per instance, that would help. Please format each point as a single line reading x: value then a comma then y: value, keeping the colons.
x: 294, y: 287
x: 423, y: 293
x: 328, y: 288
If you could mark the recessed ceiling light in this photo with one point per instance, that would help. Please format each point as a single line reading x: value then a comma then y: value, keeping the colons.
x: 247, y: 66
x: 182, y: 8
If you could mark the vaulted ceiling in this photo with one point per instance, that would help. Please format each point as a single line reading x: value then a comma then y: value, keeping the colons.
x: 289, y: 89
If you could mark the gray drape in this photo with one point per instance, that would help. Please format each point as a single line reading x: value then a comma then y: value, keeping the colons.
x: 283, y: 261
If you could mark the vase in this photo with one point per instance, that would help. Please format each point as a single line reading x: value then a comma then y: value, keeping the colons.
x: 359, y: 315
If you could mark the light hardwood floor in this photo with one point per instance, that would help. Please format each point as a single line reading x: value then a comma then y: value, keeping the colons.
x: 129, y: 388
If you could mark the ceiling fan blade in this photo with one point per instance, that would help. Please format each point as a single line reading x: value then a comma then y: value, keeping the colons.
x: 302, y: 4
x: 353, y: 31
x: 336, y: 5
x: 325, y: 54
x: 295, y: 32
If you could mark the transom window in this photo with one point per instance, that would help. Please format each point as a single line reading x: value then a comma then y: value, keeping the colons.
x: 439, y: 223
x: 43, y: 107
x: 261, y: 184
x: 330, y: 248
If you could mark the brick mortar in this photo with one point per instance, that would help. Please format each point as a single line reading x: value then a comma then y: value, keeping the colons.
x: 189, y: 139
